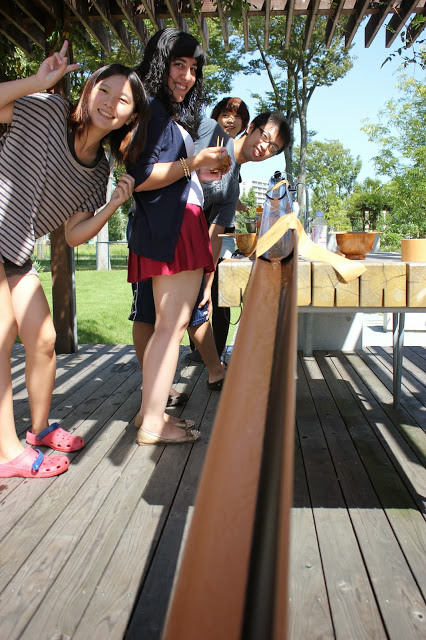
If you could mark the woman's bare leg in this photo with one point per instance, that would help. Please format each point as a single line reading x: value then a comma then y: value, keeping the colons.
x: 202, y: 335
x: 174, y: 297
x: 10, y: 446
x: 142, y: 332
x: 36, y: 330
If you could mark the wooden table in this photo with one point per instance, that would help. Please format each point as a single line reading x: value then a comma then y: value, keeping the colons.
x: 387, y: 285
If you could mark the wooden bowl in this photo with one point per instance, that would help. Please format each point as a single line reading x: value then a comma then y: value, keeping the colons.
x: 246, y: 242
x: 355, y: 244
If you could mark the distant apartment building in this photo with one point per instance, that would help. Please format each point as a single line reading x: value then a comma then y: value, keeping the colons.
x: 259, y: 187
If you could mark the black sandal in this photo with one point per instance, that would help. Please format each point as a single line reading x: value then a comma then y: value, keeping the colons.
x: 216, y: 386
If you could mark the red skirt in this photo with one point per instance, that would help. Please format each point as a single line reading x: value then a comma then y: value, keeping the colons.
x: 193, y: 251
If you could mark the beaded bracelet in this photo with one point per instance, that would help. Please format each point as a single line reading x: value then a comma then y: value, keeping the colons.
x: 185, y: 168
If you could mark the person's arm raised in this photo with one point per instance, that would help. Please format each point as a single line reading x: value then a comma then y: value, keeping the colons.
x: 83, y: 225
x: 49, y: 73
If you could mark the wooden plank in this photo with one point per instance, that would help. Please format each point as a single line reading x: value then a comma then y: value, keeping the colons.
x: 95, y: 544
x: 417, y: 355
x: 355, y: 20
x: 414, y: 410
x: 332, y: 22
x: 15, y: 16
x: 309, y: 612
x: 414, y: 379
x: 310, y: 22
x: 393, y: 582
x: 416, y: 285
x: 28, y: 574
x: 63, y: 292
x: 151, y: 608
x: 267, y: 22
x: 329, y: 290
x: 104, y: 522
x: 397, y: 22
x: 75, y: 378
x: 403, y: 442
x: 233, y: 279
x: 288, y: 22
x: 17, y: 38
x: 85, y: 424
x: 142, y: 534
x: 234, y: 275
x: 351, y: 598
x: 383, y: 284
x: 376, y: 21
x: 395, y: 588
x: 304, y: 289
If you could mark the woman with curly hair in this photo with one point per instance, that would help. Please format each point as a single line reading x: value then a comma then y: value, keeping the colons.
x: 168, y: 235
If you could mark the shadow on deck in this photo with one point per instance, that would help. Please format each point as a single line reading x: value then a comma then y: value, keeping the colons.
x: 93, y: 553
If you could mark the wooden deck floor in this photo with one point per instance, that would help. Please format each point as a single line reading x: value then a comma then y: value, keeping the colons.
x: 92, y: 554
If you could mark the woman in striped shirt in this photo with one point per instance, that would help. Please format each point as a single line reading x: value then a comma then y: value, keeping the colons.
x: 53, y: 169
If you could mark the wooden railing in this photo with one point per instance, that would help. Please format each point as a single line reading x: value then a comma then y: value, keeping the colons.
x: 232, y: 583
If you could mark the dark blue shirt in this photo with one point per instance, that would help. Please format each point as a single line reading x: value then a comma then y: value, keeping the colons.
x: 155, y: 226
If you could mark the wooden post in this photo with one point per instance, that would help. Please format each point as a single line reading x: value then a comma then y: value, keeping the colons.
x: 63, y: 292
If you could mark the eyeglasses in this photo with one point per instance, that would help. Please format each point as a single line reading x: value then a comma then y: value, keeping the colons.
x: 265, y: 137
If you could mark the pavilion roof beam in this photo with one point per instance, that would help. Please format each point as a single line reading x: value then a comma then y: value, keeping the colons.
x: 224, y: 25
x: 138, y: 25
x: 32, y: 11
x: 17, y: 18
x: 116, y: 26
x: 178, y: 21
x: 267, y: 22
x: 398, y: 20
x: 17, y: 38
x: 376, y: 21
x: 244, y: 18
x: 333, y: 21
x: 310, y: 22
x: 355, y: 20
x: 53, y: 7
x: 201, y: 25
x: 288, y: 23
x: 97, y: 29
x: 413, y: 31
x: 157, y: 23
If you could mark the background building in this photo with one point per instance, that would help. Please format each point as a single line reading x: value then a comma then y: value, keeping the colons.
x: 259, y: 187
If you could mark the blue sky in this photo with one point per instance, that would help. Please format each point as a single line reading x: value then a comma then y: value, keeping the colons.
x: 336, y: 112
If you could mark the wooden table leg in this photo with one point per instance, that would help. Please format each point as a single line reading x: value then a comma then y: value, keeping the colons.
x: 398, y: 343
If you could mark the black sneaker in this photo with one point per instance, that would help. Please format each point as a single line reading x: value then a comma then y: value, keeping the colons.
x: 194, y: 356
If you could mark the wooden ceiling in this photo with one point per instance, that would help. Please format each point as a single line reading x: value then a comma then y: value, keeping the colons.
x: 26, y: 22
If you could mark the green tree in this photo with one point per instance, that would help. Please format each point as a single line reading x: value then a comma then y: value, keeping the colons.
x: 295, y: 72
x: 248, y: 199
x: 401, y: 136
x: 221, y: 65
x: 368, y: 205
x: 331, y: 172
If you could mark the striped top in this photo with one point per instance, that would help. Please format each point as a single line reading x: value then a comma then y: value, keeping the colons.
x: 41, y: 183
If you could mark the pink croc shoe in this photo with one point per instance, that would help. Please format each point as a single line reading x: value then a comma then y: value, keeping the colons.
x: 56, y: 438
x: 32, y: 463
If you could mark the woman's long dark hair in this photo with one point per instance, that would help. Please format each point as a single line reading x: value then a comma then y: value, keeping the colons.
x: 127, y: 142
x: 165, y: 46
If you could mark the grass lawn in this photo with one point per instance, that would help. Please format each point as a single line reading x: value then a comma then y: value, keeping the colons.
x: 103, y: 305
x: 104, y: 301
